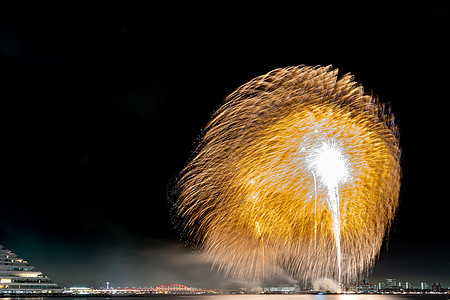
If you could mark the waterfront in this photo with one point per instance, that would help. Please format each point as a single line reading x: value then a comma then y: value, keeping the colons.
x: 256, y: 297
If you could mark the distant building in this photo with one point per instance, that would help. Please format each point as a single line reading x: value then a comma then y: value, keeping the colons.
x: 424, y: 286
x: 19, y: 277
x: 367, y: 288
x: 173, y: 288
x: 436, y: 287
x: 390, y: 283
x: 280, y: 289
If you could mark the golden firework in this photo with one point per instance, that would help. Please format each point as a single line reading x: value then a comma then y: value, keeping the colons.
x: 298, y: 170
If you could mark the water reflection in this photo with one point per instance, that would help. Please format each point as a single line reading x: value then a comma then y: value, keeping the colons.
x: 313, y: 297
x: 247, y: 297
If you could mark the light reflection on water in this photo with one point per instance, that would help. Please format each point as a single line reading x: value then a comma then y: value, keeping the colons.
x: 315, y: 297
x: 247, y: 297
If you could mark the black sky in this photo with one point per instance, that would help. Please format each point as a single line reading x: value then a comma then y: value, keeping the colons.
x: 101, y: 108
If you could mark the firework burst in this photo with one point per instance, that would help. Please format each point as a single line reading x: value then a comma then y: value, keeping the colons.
x: 298, y: 170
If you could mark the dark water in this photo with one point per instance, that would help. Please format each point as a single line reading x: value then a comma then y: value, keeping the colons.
x: 249, y: 297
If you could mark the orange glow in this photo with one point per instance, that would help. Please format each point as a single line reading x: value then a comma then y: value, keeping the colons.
x: 258, y: 195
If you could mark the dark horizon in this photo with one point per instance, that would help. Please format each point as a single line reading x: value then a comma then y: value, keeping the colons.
x: 102, y: 109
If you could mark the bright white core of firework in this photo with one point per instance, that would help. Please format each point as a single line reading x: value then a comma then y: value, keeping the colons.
x: 332, y: 168
x: 330, y: 165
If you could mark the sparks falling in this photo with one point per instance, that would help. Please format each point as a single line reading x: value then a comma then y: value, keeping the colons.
x: 298, y: 170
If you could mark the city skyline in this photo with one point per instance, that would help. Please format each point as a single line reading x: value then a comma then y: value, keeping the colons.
x: 101, y: 114
x: 17, y: 275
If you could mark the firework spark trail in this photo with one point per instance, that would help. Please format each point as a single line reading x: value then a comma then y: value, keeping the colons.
x: 302, y: 163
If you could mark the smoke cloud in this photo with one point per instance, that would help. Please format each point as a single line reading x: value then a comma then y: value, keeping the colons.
x: 326, y: 285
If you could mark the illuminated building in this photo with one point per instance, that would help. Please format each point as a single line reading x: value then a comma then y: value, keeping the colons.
x: 367, y: 288
x: 390, y: 283
x: 436, y: 287
x: 19, y: 277
x: 280, y: 289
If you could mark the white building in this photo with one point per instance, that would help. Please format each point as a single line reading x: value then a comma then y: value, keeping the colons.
x: 280, y: 289
x: 19, y: 277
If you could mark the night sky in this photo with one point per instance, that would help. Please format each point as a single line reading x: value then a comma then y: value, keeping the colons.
x: 101, y: 108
